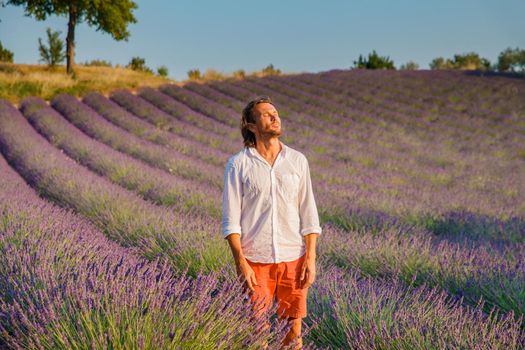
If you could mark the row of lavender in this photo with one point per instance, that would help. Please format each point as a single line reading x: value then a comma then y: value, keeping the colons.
x: 420, y: 179
x: 65, y: 285
x: 400, y: 169
x: 414, y: 198
x: 121, y: 214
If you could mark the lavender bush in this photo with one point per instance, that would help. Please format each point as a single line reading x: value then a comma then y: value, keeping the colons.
x: 64, y: 285
x: 182, y: 112
x: 117, y: 115
x: 362, y: 313
x: 151, y: 183
x: 124, y: 217
x: 492, y: 273
x: 143, y: 109
x: 376, y: 168
x: 162, y: 157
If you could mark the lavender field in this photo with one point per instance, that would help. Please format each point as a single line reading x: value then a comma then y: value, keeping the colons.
x: 110, y: 209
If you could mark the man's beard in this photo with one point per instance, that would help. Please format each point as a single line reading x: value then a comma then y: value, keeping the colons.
x: 272, y: 132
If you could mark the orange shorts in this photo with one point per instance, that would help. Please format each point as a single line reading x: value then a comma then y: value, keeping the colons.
x: 282, y: 282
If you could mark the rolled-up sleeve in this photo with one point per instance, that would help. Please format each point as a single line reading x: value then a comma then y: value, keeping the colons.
x: 231, y: 200
x: 307, y: 207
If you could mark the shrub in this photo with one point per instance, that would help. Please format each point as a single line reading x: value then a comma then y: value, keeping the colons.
x: 440, y: 63
x: 374, y: 61
x: 139, y: 64
x: 5, y: 54
x: 410, y: 65
x: 162, y: 71
x: 194, y: 74
x: 98, y: 63
x: 470, y: 61
x: 7, y: 68
x: 466, y: 61
x: 239, y: 74
x: 52, y: 54
x: 212, y: 74
x: 270, y: 70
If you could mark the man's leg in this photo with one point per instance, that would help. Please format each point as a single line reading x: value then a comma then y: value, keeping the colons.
x: 294, y: 333
x: 263, y: 295
x: 292, y: 299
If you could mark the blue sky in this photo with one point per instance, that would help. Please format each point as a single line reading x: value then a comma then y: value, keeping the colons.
x: 293, y: 35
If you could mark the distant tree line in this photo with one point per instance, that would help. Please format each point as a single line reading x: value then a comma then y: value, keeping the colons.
x: 509, y: 60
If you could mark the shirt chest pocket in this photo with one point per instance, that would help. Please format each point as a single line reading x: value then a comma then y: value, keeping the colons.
x: 289, y: 186
x: 254, y: 184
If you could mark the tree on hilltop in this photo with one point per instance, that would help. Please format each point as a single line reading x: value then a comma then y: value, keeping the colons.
x: 511, y: 60
x: 374, y: 61
x: 111, y: 17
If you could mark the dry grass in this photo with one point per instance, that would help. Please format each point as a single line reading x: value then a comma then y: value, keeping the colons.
x: 18, y: 81
x: 21, y: 80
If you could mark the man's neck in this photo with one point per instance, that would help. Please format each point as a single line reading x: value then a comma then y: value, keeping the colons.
x: 269, y: 148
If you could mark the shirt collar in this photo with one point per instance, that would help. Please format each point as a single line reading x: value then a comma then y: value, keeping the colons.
x: 255, y: 153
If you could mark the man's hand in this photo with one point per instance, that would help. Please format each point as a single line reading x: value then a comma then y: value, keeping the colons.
x: 308, y: 271
x: 245, y: 272
x: 308, y: 268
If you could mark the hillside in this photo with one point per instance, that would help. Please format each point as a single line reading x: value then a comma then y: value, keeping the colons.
x: 22, y: 80
x: 111, y: 209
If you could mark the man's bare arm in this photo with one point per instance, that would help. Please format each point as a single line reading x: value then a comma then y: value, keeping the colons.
x: 242, y: 266
x: 311, y: 240
x: 308, y: 269
x: 234, y: 240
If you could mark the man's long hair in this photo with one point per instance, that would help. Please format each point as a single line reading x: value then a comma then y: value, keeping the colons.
x: 248, y: 117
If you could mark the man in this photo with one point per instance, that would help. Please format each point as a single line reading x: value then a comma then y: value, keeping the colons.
x: 270, y: 217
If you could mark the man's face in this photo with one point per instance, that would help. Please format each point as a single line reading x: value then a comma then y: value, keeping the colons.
x: 267, y: 121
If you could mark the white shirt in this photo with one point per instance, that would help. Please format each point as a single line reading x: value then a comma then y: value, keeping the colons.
x: 272, y: 208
